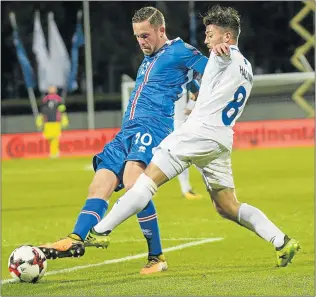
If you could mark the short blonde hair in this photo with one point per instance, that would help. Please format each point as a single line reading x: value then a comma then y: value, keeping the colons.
x: 150, y: 14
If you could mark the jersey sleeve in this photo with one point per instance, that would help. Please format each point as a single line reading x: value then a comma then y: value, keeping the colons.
x: 192, y: 58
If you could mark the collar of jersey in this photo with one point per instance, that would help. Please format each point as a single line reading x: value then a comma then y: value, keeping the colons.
x: 167, y: 43
x: 235, y: 47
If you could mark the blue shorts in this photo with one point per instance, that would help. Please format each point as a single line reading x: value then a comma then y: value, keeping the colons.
x: 135, y: 142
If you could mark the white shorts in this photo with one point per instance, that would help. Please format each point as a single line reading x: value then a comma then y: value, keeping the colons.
x: 181, y: 149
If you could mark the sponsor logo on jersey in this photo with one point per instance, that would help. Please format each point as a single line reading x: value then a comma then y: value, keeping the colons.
x: 192, y: 48
x: 143, y: 68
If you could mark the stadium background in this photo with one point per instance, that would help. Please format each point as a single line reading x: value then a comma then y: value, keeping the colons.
x: 42, y: 195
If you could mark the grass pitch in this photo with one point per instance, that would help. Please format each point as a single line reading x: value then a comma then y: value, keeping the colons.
x: 42, y: 198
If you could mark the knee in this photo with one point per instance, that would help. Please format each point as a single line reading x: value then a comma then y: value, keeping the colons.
x: 93, y: 189
x: 98, y: 190
x: 223, y: 210
x: 220, y: 210
x: 226, y: 204
x: 227, y: 211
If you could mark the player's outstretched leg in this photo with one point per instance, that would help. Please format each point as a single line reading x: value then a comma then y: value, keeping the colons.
x: 91, y: 213
x: 73, y: 245
x: 148, y: 222
x: 255, y: 220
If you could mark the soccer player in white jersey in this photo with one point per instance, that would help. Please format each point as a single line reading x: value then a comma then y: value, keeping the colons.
x: 182, y: 108
x: 206, y: 140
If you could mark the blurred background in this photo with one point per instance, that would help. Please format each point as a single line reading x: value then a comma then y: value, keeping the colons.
x: 268, y: 40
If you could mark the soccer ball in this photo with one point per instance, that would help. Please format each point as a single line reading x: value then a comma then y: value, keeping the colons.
x: 27, y: 264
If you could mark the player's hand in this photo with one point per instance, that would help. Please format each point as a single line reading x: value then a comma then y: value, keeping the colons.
x: 187, y: 111
x: 39, y: 122
x: 193, y: 96
x: 221, y: 49
x: 61, y: 108
x: 189, y: 107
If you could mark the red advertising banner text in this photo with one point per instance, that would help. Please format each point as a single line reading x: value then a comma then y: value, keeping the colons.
x: 72, y: 143
x: 280, y: 133
x: 258, y: 134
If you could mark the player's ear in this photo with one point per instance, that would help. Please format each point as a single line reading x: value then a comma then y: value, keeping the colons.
x: 162, y: 30
x: 227, y: 36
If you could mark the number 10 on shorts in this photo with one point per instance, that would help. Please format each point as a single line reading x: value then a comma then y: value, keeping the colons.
x: 145, y: 139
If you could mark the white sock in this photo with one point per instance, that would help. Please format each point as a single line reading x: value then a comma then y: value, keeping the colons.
x: 184, y: 181
x: 132, y: 202
x: 255, y: 220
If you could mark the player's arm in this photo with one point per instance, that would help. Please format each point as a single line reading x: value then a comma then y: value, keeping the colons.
x: 198, y: 65
x: 193, y: 87
x: 191, y: 103
x: 64, y: 117
x: 191, y: 58
x: 39, y: 122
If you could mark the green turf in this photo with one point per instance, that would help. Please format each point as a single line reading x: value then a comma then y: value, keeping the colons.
x: 41, y: 200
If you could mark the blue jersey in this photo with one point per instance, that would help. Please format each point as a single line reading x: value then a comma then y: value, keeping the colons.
x: 163, y: 78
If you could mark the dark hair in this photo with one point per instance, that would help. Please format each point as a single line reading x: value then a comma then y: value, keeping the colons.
x: 225, y: 17
x: 151, y: 14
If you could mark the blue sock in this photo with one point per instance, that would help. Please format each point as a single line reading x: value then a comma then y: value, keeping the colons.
x: 148, y: 222
x: 91, y: 214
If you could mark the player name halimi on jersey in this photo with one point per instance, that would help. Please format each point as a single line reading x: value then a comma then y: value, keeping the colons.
x: 224, y: 91
x: 162, y: 78
x: 246, y: 74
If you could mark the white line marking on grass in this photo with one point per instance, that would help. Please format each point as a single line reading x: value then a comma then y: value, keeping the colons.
x: 122, y: 241
x: 128, y: 258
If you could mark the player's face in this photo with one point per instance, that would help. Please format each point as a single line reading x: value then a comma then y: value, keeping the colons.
x: 148, y: 37
x: 214, y: 35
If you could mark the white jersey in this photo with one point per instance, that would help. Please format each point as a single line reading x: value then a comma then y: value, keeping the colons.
x: 225, y: 88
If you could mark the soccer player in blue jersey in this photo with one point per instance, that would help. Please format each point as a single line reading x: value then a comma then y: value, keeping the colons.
x: 163, y: 77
